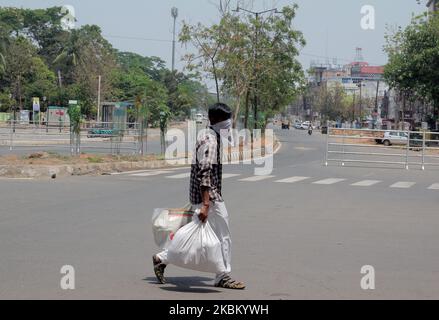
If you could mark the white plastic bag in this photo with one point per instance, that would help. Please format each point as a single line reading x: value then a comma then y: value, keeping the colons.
x: 196, y: 246
x: 166, y: 222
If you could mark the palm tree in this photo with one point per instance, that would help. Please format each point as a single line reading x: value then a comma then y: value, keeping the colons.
x: 71, y: 52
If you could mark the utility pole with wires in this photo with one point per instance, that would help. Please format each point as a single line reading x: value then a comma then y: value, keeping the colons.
x: 174, y: 13
x: 256, y: 56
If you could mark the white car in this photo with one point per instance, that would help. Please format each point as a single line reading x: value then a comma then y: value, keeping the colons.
x: 394, y: 137
x: 305, y: 125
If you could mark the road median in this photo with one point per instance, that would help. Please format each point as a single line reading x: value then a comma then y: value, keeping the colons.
x: 53, y: 165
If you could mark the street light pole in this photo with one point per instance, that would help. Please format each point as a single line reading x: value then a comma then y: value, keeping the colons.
x: 256, y: 85
x: 174, y: 13
x: 99, y: 99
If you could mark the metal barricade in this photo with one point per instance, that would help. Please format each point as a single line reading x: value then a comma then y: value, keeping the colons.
x: 104, y: 138
x: 109, y: 137
x: 382, y: 147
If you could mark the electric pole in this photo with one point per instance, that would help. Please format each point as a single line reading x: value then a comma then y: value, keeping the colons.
x: 99, y: 98
x: 174, y: 13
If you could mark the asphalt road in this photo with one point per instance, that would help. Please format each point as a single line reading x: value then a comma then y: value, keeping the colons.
x: 303, y: 238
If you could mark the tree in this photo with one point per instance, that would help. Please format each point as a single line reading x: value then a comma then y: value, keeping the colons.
x: 41, y: 26
x: 41, y: 81
x: 4, y: 41
x: 86, y: 56
x: 413, y: 67
x: 153, y: 67
x: 252, y: 59
x: 334, y: 103
x: 19, y: 64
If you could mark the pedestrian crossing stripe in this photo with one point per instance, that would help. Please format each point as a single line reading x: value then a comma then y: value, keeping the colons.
x: 329, y: 181
x: 180, y: 176
x: 403, y: 185
x: 230, y: 175
x: 292, y: 179
x: 256, y: 178
x: 365, y: 183
x: 150, y: 173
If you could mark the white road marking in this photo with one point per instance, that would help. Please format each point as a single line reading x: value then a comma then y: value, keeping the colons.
x: 434, y: 186
x: 149, y: 173
x: 146, y: 170
x: 256, y: 178
x: 128, y: 172
x: 403, y: 185
x: 230, y: 175
x: 293, y: 179
x: 329, y: 181
x: 365, y: 183
x: 304, y: 148
x: 180, y: 176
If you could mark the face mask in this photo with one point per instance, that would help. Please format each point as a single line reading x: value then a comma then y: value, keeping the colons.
x: 224, y: 125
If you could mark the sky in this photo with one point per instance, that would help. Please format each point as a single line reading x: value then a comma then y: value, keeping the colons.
x: 331, y: 27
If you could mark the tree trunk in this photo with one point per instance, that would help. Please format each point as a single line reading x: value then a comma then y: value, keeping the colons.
x: 235, y: 117
x: 216, y: 80
x: 247, y: 102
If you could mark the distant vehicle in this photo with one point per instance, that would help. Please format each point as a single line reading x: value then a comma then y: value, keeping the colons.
x: 305, y: 125
x: 393, y: 138
x: 199, y: 118
x: 297, y: 125
x: 286, y: 125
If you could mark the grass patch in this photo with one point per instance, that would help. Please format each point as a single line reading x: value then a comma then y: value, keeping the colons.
x: 95, y: 159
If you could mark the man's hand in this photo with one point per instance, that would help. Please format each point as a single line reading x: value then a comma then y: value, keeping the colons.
x: 204, y: 212
x: 206, y: 202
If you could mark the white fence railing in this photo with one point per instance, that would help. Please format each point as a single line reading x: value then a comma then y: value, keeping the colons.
x: 109, y: 138
x: 382, y: 147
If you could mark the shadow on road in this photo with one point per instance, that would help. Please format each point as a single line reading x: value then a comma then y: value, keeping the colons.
x: 186, y: 284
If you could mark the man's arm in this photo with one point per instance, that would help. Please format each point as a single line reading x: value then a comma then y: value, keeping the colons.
x: 207, y: 157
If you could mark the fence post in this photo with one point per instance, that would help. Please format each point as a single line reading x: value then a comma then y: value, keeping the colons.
x: 72, y: 140
x: 343, y: 149
x: 327, y: 145
x: 140, y: 132
x: 423, y: 150
x: 12, y: 138
x: 407, y: 151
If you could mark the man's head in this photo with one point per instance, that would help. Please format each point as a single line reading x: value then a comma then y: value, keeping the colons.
x: 219, y: 112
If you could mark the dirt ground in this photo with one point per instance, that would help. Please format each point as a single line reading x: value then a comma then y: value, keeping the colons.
x: 45, y: 158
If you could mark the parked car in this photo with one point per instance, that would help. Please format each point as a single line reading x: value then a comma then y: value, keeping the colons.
x: 305, y: 125
x: 297, y: 125
x: 393, y: 138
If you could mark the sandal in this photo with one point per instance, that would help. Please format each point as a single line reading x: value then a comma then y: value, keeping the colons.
x: 228, y: 283
x: 159, y: 269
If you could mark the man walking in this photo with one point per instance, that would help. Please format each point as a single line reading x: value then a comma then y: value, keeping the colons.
x: 205, y: 194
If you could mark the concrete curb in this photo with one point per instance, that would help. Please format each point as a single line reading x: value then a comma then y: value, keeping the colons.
x: 44, y: 171
x: 47, y: 171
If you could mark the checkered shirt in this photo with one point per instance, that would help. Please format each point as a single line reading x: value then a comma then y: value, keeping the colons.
x: 206, y: 169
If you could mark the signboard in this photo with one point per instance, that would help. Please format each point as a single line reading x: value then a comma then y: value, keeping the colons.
x: 57, y: 114
x: 24, y: 117
x: 36, y: 104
